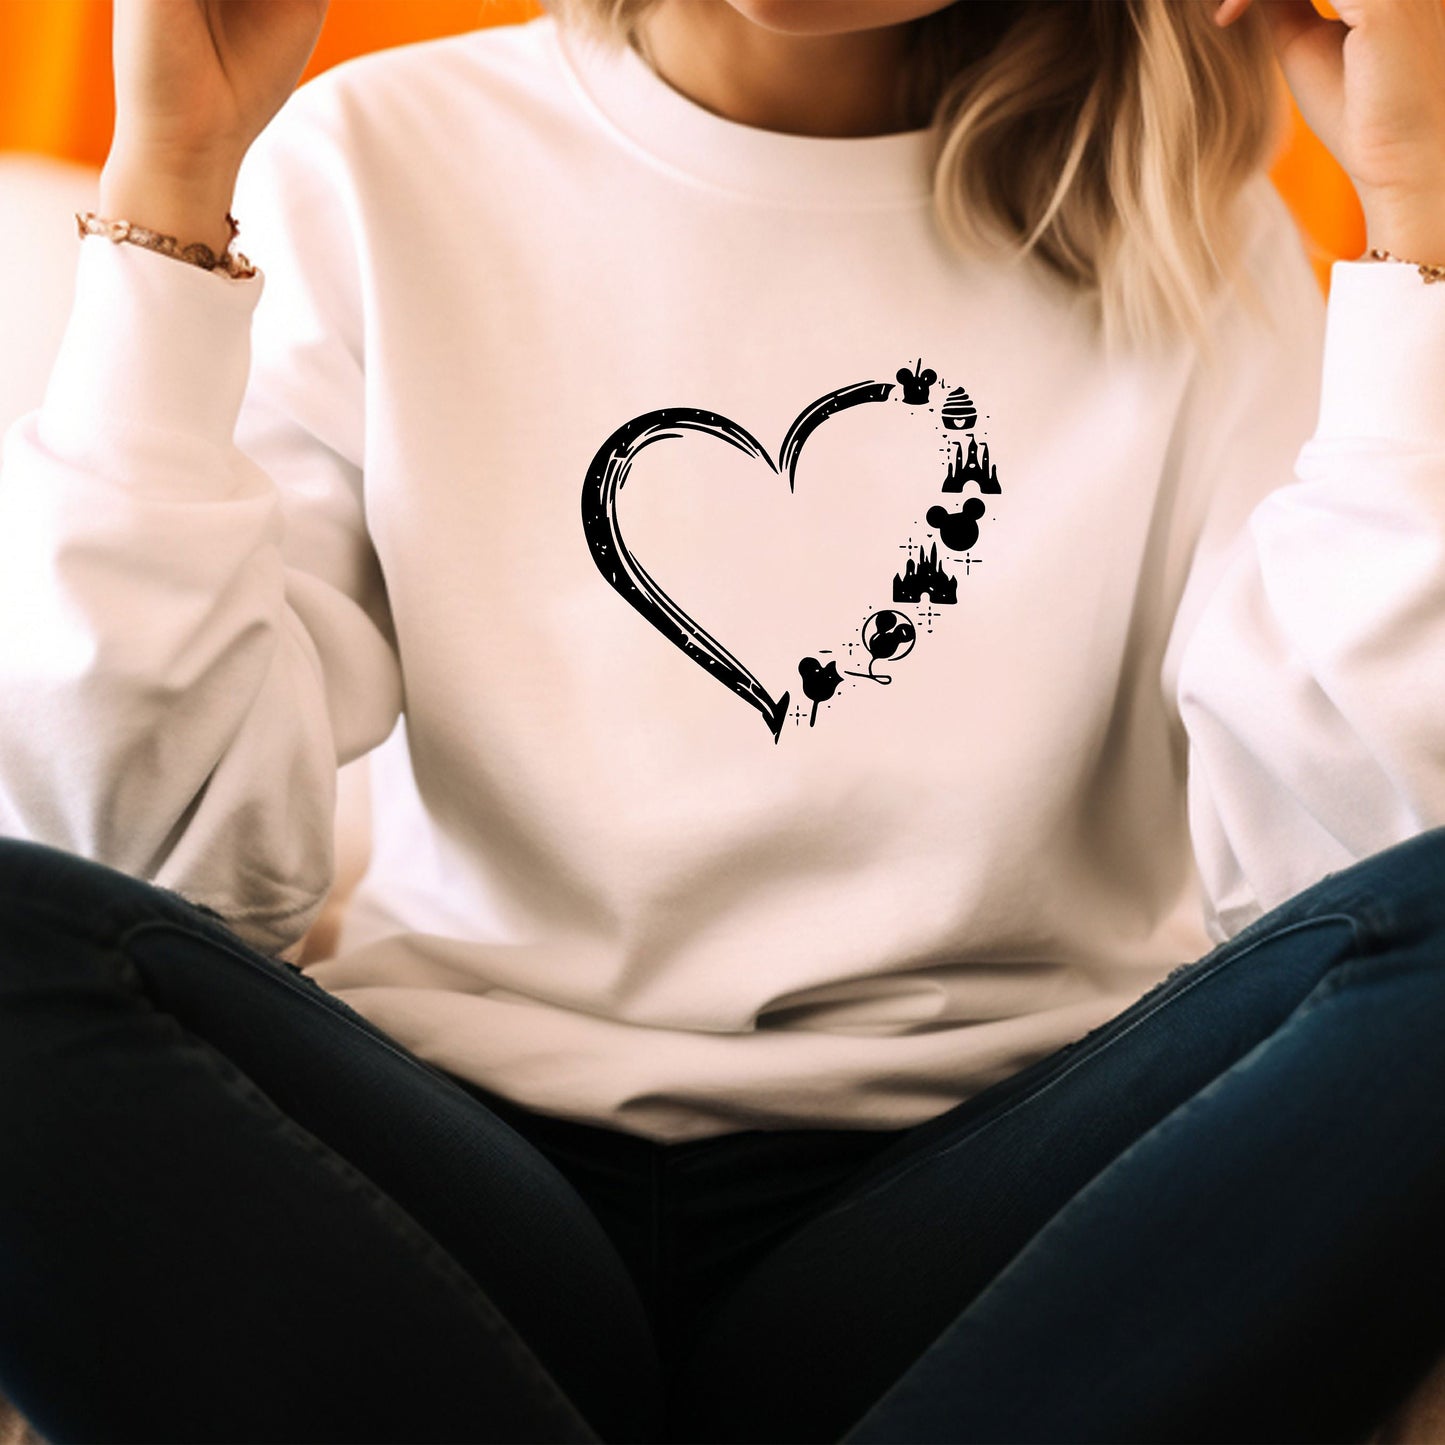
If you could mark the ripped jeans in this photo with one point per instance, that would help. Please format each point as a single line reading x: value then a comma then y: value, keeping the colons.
x: 231, y: 1209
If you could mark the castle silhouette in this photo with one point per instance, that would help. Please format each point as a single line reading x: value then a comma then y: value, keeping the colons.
x: 925, y: 576
x: 974, y: 469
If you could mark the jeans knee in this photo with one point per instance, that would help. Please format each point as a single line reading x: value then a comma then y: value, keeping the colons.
x: 36, y: 876
x: 1398, y: 893
x: 58, y: 907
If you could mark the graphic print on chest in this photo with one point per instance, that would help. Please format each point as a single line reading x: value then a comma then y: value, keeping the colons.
x: 955, y: 495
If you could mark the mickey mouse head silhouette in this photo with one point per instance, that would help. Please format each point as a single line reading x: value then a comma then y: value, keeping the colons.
x: 957, y: 530
x: 915, y: 386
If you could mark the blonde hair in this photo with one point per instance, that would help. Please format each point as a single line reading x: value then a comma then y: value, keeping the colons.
x: 1108, y: 139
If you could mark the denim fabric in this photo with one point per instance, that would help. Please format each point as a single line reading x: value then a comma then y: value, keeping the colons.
x: 233, y: 1209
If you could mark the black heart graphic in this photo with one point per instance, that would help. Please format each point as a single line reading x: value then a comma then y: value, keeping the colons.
x: 609, y: 471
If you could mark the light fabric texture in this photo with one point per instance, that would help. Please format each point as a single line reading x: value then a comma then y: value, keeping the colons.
x: 568, y: 427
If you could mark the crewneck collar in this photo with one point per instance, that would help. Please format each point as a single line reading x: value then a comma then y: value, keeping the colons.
x: 647, y: 114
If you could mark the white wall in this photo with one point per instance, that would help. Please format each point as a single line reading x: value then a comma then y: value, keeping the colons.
x: 38, y: 251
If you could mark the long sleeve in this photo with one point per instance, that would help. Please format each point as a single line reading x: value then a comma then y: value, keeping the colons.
x: 193, y: 629
x: 1309, y: 662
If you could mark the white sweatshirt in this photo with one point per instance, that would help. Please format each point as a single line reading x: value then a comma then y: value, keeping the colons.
x: 810, y: 678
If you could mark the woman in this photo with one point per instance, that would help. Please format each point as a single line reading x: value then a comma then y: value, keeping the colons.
x: 769, y: 1012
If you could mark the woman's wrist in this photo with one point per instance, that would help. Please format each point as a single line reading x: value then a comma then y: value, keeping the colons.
x: 1411, y: 228
x: 190, y: 208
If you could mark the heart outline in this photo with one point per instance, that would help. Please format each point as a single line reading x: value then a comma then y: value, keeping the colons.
x: 608, y: 472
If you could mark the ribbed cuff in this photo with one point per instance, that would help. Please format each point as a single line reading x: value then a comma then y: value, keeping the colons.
x: 152, y: 342
x: 1384, y: 355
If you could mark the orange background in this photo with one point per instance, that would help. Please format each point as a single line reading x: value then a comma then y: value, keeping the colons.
x: 56, y: 95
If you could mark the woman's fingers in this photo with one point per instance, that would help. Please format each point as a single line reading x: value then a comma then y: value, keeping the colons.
x: 1311, y: 53
x: 1310, y: 50
x: 1230, y: 11
x: 1371, y: 85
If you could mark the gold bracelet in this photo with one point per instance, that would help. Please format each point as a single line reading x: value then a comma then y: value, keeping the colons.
x: 87, y: 223
x: 1429, y: 272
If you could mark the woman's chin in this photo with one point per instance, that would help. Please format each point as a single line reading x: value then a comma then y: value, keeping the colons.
x: 833, y: 17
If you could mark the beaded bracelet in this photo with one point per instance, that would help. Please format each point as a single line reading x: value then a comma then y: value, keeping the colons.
x: 1427, y: 271
x: 87, y: 223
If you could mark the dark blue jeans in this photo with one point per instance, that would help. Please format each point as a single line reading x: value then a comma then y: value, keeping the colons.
x: 231, y: 1209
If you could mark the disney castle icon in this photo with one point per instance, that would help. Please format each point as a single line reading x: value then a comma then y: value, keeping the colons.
x: 926, y: 575
x: 975, y: 468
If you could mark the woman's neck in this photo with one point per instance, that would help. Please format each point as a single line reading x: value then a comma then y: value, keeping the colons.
x: 821, y: 85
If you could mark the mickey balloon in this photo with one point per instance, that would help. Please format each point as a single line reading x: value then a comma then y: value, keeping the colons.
x: 888, y: 635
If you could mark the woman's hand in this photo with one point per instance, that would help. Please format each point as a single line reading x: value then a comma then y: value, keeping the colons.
x: 198, y: 80
x: 1371, y: 85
